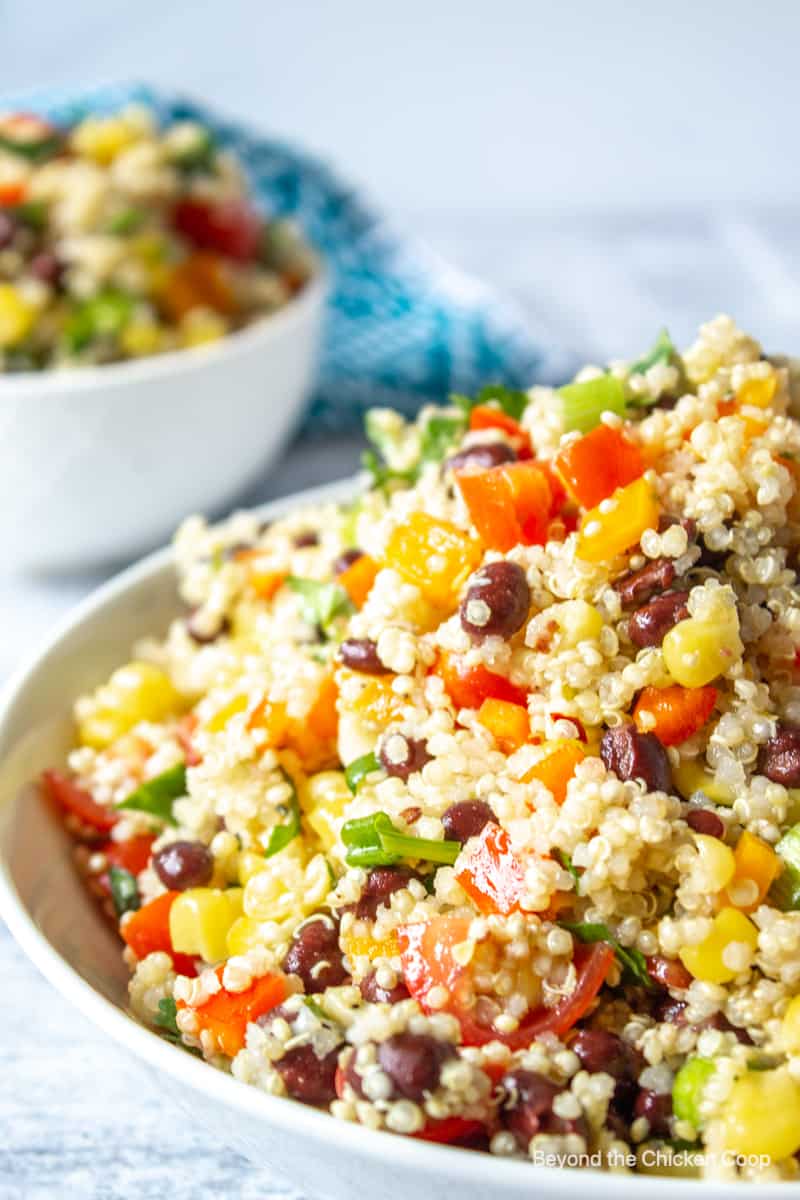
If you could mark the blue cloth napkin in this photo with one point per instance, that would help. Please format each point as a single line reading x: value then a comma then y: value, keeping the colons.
x: 403, y: 327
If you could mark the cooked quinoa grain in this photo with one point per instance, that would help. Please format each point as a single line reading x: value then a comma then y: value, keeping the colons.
x: 470, y: 810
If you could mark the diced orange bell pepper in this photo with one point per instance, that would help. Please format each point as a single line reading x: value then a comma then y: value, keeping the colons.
x: 508, y: 723
x: 757, y: 393
x: 199, y: 281
x: 556, y: 768
x: 726, y: 407
x: 434, y: 555
x: 468, y: 687
x: 378, y: 703
x: 595, y: 465
x: 756, y: 860
x: 509, y: 505
x: 674, y: 713
x: 272, y: 718
x: 11, y: 194
x: 226, y: 1015
x: 146, y: 931
x: 605, y: 534
x: 323, y: 718
x: 486, y: 416
x: 358, y: 579
x: 493, y: 876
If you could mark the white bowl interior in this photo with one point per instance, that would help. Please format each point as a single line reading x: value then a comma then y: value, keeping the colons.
x: 60, y: 928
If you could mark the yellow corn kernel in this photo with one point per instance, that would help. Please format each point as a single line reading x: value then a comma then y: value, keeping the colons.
x: 324, y: 799
x: 696, y: 651
x: 139, y: 691
x: 691, y: 776
x: 757, y: 393
x: 103, y: 138
x: 708, y: 960
x: 434, y: 555
x: 140, y: 338
x: 618, y: 522
x: 578, y: 621
x: 250, y: 864
x: 371, y: 948
x: 717, y: 862
x: 378, y: 704
x: 200, y: 919
x: 244, y: 935
x: 201, y: 326
x: 790, y: 1027
x: 16, y: 316
x: 761, y: 1115
x: 217, y: 722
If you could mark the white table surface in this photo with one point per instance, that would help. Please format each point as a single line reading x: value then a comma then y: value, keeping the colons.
x: 77, y: 1118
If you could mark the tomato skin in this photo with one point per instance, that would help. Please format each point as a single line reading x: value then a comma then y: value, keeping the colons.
x: 230, y: 227
x: 468, y: 687
x: 147, y: 931
x: 493, y: 876
x: 76, y: 801
x: 132, y: 855
x: 428, y: 960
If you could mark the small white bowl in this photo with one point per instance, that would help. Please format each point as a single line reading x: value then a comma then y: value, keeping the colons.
x: 100, y: 463
x: 59, y: 927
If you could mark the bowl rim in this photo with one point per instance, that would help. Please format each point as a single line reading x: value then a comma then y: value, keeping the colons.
x: 441, y: 1161
x: 264, y: 329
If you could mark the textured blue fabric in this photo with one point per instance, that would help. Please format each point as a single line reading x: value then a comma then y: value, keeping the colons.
x: 403, y: 327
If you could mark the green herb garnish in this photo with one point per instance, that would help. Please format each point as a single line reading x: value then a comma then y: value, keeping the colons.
x: 124, y: 891
x: 633, y: 962
x: 320, y: 603
x: 375, y: 842
x: 166, y: 1018
x: 356, y: 772
x: 157, y: 796
x: 567, y: 864
x: 281, y: 835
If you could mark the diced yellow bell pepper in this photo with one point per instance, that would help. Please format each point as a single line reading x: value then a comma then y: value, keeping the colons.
x: 103, y: 138
x: 140, y: 338
x: 756, y: 862
x: 691, y: 776
x: 697, y: 651
x: 790, y: 1027
x: 371, y: 948
x: 200, y: 919
x: 706, y: 960
x: 757, y: 393
x: 434, y: 555
x: 761, y: 1115
x: 618, y: 522
x: 245, y: 934
x: 217, y: 722
x: 136, y: 692
x: 324, y: 799
x: 16, y: 316
x: 377, y: 704
x: 717, y: 861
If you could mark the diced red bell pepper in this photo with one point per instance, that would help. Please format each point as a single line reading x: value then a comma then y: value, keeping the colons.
x: 451, y: 1131
x: 595, y: 465
x: 147, y: 931
x: 486, y: 416
x: 230, y: 227
x: 226, y: 1015
x: 428, y: 960
x: 493, y: 876
x: 132, y: 855
x: 75, y: 800
x: 11, y: 194
x: 468, y: 687
x: 675, y: 713
x: 509, y: 505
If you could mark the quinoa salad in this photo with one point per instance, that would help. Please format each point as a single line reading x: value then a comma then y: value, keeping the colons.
x: 470, y: 809
x: 119, y: 240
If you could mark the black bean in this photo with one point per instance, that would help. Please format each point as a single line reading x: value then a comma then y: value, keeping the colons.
x: 315, y: 955
x: 346, y: 559
x: 413, y: 1062
x: 668, y: 972
x: 670, y: 1011
x: 307, y: 1077
x: 719, y: 1021
x: 373, y: 993
x: 779, y: 759
x: 666, y: 521
x: 308, y: 537
x: 380, y: 884
x: 46, y: 267
x: 703, y: 820
x: 601, y: 1050
x: 182, y: 865
x: 481, y: 456
x: 198, y: 633
x: 8, y: 227
x: 656, y: 1107
x: 527, y: 1107
x: 649, y: 624
x: 638, y: 586
x: 401, y: 756
x: 496, y: 602
x: 361, y: 654
x: 466, y: 819
x: 634, y: 755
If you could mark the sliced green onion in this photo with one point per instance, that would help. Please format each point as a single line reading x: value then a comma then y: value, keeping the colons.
x: 124, y: 891
x: 157, y: 796
x: 374, y: 841
x: 583, y: 404
x: 281, y: 835
x: 662, y: 351
x: 104, y: 315
x: 785, y: 891
x: 356, y: 772
x: 688, y: 1088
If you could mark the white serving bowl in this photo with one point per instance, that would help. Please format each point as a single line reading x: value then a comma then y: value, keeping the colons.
x: 59, y: 927
x: 100, y: 463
